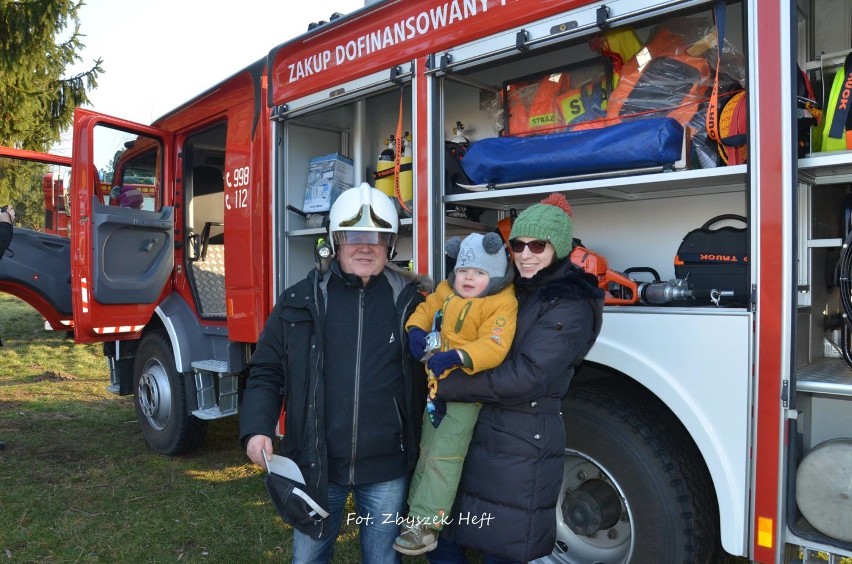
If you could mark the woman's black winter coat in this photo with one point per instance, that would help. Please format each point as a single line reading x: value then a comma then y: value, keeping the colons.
x: 287, y: 366
x: 513, y: 472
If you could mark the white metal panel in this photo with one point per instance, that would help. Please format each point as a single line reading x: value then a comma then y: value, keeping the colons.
x: 582, y: 21
x: 340, y: 93
x: 614, y: 229
x: 697, y: 361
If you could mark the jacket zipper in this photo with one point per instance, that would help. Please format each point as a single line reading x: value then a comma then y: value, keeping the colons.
x: 406, y: 373
x: 317, y: 373
x: 357, y: 387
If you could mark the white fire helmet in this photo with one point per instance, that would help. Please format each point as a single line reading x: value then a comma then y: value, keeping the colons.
x: 363, y: 214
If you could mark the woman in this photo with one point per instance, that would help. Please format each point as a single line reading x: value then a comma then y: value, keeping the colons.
x: 513, y: 471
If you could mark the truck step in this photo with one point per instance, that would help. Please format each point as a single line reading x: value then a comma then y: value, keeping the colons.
x: 216, y: 389
x: 213, y: 413
x: 211, y: 365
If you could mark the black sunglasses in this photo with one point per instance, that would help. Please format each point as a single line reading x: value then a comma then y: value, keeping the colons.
x: 536, y: 246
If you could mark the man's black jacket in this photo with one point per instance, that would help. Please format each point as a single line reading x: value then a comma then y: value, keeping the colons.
x: 288, y: 366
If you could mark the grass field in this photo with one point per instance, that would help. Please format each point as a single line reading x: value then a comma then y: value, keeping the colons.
x: 78, y: 483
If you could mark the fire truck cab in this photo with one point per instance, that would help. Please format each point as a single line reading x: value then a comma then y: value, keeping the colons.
x: 698, y: 422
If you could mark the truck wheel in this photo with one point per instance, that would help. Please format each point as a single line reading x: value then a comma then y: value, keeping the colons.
x: 161, y: 404
x: 634, y: 488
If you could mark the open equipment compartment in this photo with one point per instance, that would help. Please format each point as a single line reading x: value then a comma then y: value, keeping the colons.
x: 354, y: 120
x: 470, y: 83
x: 820, y: 453
x: 634, y: 219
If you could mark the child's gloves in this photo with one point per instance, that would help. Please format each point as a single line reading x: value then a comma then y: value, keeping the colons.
x: 417, y: 342
x: 436, y: 408
x: 439, y: 362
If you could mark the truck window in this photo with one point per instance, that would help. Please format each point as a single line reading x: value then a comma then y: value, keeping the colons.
x: 57, y: 200
x: 128, y: 169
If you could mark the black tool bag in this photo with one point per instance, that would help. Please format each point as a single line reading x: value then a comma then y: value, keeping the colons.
x: 716, y: 259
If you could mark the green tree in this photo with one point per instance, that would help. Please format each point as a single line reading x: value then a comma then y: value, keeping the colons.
x: 39, y: 41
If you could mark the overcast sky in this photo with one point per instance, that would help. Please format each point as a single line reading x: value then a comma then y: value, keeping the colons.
x: 159, y: 53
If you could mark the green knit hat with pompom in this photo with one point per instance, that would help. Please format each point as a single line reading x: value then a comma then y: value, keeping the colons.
x: 549, y: 221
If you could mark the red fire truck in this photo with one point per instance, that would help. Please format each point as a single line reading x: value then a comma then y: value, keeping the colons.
x: 55, y: 217
x: 700, y: 419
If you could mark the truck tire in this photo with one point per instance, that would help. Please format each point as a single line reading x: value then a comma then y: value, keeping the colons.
x: 161, y: 402
x: 635, y: 489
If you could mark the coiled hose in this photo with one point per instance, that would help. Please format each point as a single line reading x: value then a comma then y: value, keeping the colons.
x: 845, y: 284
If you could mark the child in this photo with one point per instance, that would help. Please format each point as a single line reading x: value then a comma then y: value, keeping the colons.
x: 475, y: 310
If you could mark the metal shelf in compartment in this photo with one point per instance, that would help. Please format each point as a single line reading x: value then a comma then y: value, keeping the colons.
x: 620, y: 189
x: 826, y: 168
x: 825, y: 376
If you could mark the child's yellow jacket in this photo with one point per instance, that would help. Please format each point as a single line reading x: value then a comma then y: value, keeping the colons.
x: 481, y: 328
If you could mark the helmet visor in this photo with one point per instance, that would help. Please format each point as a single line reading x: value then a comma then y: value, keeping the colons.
x: 364, y: 238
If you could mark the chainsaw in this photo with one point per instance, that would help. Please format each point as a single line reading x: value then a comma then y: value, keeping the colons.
x: 620, y: 289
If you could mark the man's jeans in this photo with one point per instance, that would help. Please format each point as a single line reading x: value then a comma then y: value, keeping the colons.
x: 374, y: 503
x: 449, y: 552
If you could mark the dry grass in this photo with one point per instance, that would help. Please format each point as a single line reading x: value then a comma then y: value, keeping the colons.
x: 78, y: 483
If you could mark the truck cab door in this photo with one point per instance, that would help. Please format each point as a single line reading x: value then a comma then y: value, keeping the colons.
x: 122, y: 225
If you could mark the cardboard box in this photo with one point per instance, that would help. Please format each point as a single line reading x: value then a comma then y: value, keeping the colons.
x: 328, y: 176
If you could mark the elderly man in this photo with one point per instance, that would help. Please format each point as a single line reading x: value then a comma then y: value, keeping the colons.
x: 333, y: 351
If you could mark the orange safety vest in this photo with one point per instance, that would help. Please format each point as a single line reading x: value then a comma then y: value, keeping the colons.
x: 531, y: 105
x: 665, y: 53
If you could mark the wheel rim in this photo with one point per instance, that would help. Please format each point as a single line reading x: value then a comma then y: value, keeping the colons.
x: 596, y: 503
x: 155, y: 395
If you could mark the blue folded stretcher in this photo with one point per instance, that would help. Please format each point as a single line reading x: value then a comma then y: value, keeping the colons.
x: 635, y: 144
